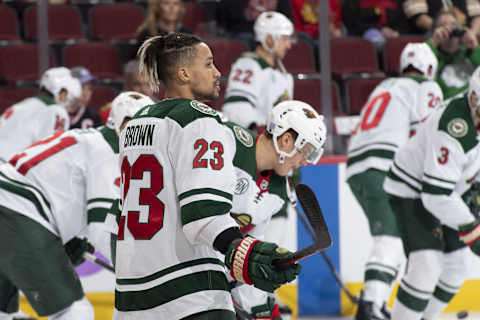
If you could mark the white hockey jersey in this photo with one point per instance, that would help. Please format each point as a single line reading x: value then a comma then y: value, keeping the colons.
x: 254, y: 87
x: 390, y: 116
x: 439, y: 164
x: 29, y: 121
x: 64, y: 182
x: 178, y: 179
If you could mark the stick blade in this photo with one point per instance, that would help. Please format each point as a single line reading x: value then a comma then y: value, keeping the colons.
x: 314, y: 214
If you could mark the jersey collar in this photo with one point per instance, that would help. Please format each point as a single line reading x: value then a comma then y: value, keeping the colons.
x: 110, y: 136
x: 47, y: 100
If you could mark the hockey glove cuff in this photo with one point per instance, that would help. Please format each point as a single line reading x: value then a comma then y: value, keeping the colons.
x: 75, y: 249
x: 268, y: 310
x: 470, y: 235
x: 251, y: 261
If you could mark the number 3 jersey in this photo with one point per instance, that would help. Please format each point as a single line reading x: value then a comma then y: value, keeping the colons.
x: 439, y: 164
x: 390, y: 116
x: 64, y: 182
x: 178, y: 179
x: 254, y: 88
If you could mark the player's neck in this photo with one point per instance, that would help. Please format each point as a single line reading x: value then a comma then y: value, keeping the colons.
x: 175, y: 92
x: 265, y: 154
x: 265, y: 55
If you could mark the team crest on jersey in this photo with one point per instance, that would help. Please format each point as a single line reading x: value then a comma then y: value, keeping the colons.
x: 203, y: 108
x: 241, y: 186
x: 457, y: 128
x: 243, y: 136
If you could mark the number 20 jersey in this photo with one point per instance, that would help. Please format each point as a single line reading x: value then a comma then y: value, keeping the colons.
x: 177, y: 179
x: 390, y: 116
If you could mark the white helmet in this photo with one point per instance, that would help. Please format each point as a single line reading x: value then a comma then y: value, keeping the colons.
x: 474, y: 86
x: 54, y: 80
x: 421, y: 57
x: 126, y: 104
x: 274, y: 24
x: 305, y: 121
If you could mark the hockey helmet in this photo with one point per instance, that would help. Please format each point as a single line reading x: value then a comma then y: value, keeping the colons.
x: 54, y: 80
x: 421, y: 57
x: 474, y: 87
x: 274, y: 24
x: 126, y: 104
x: 305, y: 121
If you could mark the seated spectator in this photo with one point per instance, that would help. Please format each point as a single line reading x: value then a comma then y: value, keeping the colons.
x: 457, y: 51
x: 81, y: 115
x: 237, y: 17
x: 305, y: 17
x: 374, y: 20
x: 133, y: 81
x: 420, y: 14
x: 163, y: 16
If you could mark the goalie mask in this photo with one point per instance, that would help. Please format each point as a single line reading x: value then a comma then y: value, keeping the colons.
x: 421, y: 57
x: 125, y: 105
x: 54, y: 80
x: 474, y: 87
x: 274, y: 24
x: 305, y: 121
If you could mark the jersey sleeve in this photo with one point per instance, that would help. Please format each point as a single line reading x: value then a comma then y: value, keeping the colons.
x: 203, y: 154
x: 51, y: 119
x: 429, y: 97
x: 443, y: 165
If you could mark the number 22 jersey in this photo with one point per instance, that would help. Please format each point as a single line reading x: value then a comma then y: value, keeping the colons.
x: 390, y: 116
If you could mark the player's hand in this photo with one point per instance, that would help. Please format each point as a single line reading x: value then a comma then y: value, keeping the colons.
x: 470, y: 235
x: 75, y: 249
x: 251, y: 261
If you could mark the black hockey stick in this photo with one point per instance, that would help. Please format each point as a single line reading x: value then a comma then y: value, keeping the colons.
x: 325, y: 257
x: 322, y: 239
x: 91, y: 257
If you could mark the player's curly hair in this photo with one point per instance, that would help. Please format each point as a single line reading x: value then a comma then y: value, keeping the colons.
x: 160, y: 56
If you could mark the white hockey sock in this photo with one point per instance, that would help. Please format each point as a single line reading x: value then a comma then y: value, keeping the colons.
x: 6, y: 316
x: 402, y: 312
x: 434, y: 308
x: 376, y: 292
x: 79, y: 310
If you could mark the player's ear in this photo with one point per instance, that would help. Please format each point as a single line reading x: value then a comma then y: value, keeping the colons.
x: 183, y: 74
x: 286, y: 141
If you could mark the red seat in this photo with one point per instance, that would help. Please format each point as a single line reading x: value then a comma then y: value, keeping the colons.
x: 101, y: 96
x: 115, y: 21
x: 101, y: 59
x: 12, y: 95
x: 20, y: 63
x: 225, y: 52
x: 64, y: 23
x: 8, y: 24
x: 357, y: 92
x: 299, y: 59
x: 391, y: 52
x: 353, y: 56
x: 309, y: 91
x: 194, y: 16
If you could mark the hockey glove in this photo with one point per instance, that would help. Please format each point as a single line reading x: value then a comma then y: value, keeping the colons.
x: 472, y: 199
x: 470, y: 235
x: 268, y: 310
x: 75, y: 249
x: 251, y: 261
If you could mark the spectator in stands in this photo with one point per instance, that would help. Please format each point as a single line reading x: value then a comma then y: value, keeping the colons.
x: 305, y: 17
x: 374, y: 20
x: 457, y: 51
x: 133, y: 81
x: 237, y: 17
x: 163, y: 16
x: 421, y: 14
x: 81, y: 115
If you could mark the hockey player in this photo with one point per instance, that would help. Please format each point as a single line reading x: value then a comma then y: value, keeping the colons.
x: 178, y: 177
x: 37, y: 117
x: 390, y: 116
x: 49, y: 193
x: 258, y: 195
x: 425, y: 183
x: 258, y: 80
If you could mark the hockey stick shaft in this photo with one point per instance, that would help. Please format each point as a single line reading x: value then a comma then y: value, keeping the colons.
x: 92, y: 258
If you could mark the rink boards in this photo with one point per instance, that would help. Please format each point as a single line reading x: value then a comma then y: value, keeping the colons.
x: 316, y: 292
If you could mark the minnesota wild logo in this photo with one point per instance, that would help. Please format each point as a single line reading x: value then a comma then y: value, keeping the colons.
x: 203, y: 108
x: 309, y: 113
x: 457, y: 128
x: 243, y: 136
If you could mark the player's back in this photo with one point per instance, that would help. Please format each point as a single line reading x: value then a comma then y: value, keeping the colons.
x: 27, y: 122
x: 389, y: 117
x: 170, y: 155
x: 59, y: 180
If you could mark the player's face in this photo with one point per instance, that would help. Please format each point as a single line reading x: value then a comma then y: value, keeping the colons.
x: 283, y: 45
x: 298, y: 159
x: 474, y: 101
x: 205, y: 77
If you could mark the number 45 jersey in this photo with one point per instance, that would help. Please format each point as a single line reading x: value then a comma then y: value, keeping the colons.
x: 390, y: 116
x: 64, y: 182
